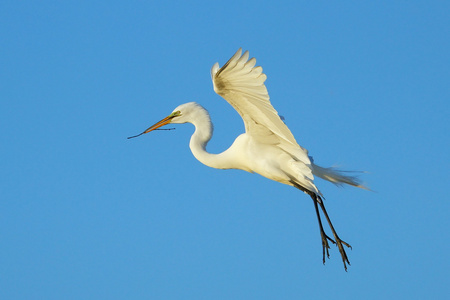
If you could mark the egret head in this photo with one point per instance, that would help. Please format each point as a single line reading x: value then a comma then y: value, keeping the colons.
x: 188, y: 113
x: 182, y: 114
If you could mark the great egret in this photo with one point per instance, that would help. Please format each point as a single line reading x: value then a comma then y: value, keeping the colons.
x: 267, y: 147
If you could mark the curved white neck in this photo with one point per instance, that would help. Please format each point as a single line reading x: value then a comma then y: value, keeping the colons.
x: 199, y: 140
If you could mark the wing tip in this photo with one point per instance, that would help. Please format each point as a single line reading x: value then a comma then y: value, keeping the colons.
x: 214, y: 69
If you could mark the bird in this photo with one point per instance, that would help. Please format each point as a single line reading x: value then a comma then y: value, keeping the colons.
x: 267, y: 147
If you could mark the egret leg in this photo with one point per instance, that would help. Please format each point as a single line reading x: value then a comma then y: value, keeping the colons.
x: 340, y: 243
x: 325, y: 237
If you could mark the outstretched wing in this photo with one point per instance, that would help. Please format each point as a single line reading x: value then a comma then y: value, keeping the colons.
x: 242, y: 85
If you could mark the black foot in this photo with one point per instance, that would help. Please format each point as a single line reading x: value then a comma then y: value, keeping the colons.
x: 340, y: 244
x: 325, y: 245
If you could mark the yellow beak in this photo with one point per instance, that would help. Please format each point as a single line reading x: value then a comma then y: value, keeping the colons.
x: 161, y: 123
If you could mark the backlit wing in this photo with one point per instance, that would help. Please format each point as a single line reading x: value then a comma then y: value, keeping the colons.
x: 242, y: 85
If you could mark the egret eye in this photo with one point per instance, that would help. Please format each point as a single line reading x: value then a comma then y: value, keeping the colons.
x: 175, y: 114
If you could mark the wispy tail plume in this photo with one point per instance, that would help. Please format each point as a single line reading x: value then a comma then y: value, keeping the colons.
x: 337, y: 177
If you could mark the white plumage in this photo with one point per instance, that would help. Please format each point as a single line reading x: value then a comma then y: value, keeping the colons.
x: 267, y: 147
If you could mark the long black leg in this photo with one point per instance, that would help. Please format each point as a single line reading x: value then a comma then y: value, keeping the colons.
x: 325, y: 238
x: 339, y: 242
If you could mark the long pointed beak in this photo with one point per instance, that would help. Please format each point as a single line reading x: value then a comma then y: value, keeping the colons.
x: 161, y: 123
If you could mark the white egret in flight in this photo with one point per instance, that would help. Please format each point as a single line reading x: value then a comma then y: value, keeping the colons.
x: 267, y: 147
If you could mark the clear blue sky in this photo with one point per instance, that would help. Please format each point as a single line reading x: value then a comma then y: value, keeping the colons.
x: 87, y: 214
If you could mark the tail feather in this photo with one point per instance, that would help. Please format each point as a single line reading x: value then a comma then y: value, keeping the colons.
x: 337, y: 176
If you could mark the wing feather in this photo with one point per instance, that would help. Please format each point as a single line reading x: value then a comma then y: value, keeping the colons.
x: 242, y: 85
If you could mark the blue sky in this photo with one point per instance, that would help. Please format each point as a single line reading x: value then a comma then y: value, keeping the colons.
x: 87, y: 214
